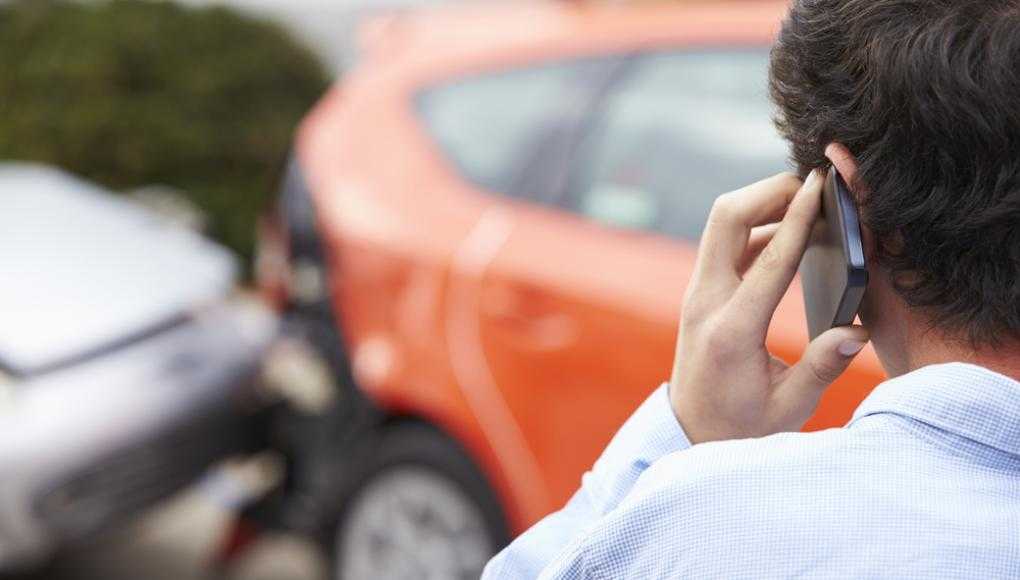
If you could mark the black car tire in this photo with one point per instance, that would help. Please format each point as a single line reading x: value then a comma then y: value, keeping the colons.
x: 407, y: 454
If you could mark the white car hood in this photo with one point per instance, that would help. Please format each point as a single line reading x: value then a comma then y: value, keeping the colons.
x: 81, y: 269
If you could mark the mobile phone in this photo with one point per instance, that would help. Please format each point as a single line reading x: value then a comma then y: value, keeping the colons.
x: 833, y: 274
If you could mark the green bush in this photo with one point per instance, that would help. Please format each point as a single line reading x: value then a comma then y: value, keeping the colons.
x: 135, y: 92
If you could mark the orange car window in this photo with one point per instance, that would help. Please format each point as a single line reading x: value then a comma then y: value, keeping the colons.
x: 489, y: 124
x: 683, y: 128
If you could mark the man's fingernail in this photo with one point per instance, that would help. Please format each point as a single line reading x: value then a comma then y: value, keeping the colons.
x: 809, y: 181
x: 850, y: 347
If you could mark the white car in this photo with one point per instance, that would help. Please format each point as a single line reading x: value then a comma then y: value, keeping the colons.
x: 128, y: 361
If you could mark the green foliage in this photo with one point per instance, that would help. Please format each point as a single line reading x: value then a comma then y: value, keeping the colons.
x: 136, y: 92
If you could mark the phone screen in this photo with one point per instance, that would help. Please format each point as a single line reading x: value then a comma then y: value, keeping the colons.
x: 833, y: 273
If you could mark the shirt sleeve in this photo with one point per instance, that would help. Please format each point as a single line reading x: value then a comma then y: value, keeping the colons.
x: 650, y: 433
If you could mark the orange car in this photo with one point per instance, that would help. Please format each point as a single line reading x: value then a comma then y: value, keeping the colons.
x: 496, y: 214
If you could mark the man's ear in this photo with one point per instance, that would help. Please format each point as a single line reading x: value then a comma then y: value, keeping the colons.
x: 868, y: 244
x: 846, y: 164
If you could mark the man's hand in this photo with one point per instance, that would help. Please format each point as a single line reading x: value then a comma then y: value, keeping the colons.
x: 725, y: 384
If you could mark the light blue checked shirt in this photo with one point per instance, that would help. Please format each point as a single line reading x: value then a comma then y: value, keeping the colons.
x: 923, y: 483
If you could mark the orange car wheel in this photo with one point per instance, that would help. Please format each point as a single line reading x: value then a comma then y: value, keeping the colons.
x: 420, y: 509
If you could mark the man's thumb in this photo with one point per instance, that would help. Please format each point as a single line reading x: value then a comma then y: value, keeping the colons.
x: 827, y: 357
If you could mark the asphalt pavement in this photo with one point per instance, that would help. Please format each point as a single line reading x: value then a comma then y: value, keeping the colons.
x: 177, y: 541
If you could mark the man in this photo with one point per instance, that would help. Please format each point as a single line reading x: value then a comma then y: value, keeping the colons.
x: 917, y: 104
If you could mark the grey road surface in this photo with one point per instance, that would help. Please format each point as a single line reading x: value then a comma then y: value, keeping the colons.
x: 177, y: 541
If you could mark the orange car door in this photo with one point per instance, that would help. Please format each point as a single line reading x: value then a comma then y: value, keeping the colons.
x: 496, y: 128
x: 578, y: 302
x: 576, y: 325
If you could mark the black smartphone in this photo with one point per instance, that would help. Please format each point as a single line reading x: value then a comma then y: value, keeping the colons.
x: 833, y: 274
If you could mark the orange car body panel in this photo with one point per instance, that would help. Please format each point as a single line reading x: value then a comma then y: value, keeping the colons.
x: 526, y: 333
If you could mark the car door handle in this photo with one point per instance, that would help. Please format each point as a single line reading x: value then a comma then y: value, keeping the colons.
x: 529, y: 317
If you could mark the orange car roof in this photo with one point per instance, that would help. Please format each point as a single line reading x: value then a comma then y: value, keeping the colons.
x: 478, y: 27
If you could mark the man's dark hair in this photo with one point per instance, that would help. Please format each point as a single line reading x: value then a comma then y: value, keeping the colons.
x: 926, y: 95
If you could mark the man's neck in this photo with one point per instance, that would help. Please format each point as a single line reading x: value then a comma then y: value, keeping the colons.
x: 1003, y: 359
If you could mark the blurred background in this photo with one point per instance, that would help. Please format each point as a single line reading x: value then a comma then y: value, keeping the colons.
x: 348, y: 289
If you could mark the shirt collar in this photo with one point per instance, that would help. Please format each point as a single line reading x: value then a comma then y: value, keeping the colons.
x: 960, y: 398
